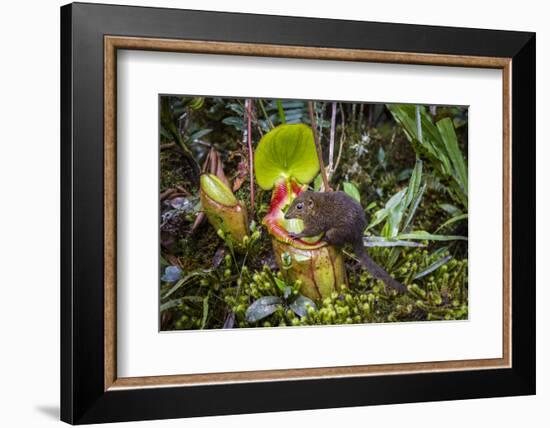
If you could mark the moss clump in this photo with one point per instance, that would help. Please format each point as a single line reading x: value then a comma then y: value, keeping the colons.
x: 440, y: 295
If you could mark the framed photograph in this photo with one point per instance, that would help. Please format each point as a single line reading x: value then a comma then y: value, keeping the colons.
x: 266, y: 213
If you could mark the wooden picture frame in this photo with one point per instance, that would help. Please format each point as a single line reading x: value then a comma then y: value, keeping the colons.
x: 91, y: 390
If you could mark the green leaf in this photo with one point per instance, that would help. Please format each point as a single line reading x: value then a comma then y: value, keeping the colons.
x: 380, y: 241
x: 425, y: 236
x: 447, y: 131
x: 217, y: 190
x: 370, y: 206
x: 185, y: 279
x: 381, y: 157
x: 414, y: 182
x: 451, y: 209
x: 414, y: 207
x: 317, y: 183
x: 383, y: 213
x: 281, y: 112
x: 163, y: 261
x: 452, y: 220
x: 403, y: 175
x: 391, y: 228
x: 352, y: 191
x: 175, y: 302
x: 286, y: 151
x: 300, y: 304
x: 236, y: 122
x: 204, y: 311
x: 196, y: 103
x: 165, y: 133
x: 439, y: 252
x: 199, y: 134
x: 281, y: 285
x: 433, y: 267
x: 438, y: 145
x: 263, y: 307
x: 405, y: 114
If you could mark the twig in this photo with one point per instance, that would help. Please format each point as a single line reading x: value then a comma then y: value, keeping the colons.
x: 248, y: 106
x: 178, y: 194
x: 265, y: 114
x: 371, y: 115
x: 183, y: 190
x: 342, y: 138
x: 167, y: 193
x: 214, y: 165
x: 168, y: 146
x: 318, y: 146
x: 257, y: 123
x: 319, y: 119
x: 198, y: 220
x: 331, y: 142
x: 206, y: 162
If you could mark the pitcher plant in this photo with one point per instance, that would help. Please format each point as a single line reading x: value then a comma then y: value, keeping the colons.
x: 286, y: 162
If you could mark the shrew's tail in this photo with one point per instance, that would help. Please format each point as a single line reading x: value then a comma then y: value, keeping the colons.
x: 375, y: 270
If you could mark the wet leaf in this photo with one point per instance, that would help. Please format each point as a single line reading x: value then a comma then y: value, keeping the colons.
x: 299, y: 306
x: 263, y: 307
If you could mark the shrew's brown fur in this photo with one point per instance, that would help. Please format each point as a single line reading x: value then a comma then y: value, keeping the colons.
x: 341, y: 220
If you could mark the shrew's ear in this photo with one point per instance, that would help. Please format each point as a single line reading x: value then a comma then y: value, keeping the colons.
x: 310, y: 202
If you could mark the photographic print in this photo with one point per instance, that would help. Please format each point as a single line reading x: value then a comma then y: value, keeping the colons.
x: 217, y: 194
x: 282, y: 213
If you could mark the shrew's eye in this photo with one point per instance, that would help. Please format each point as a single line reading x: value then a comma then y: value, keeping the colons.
x: 300, y: 206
